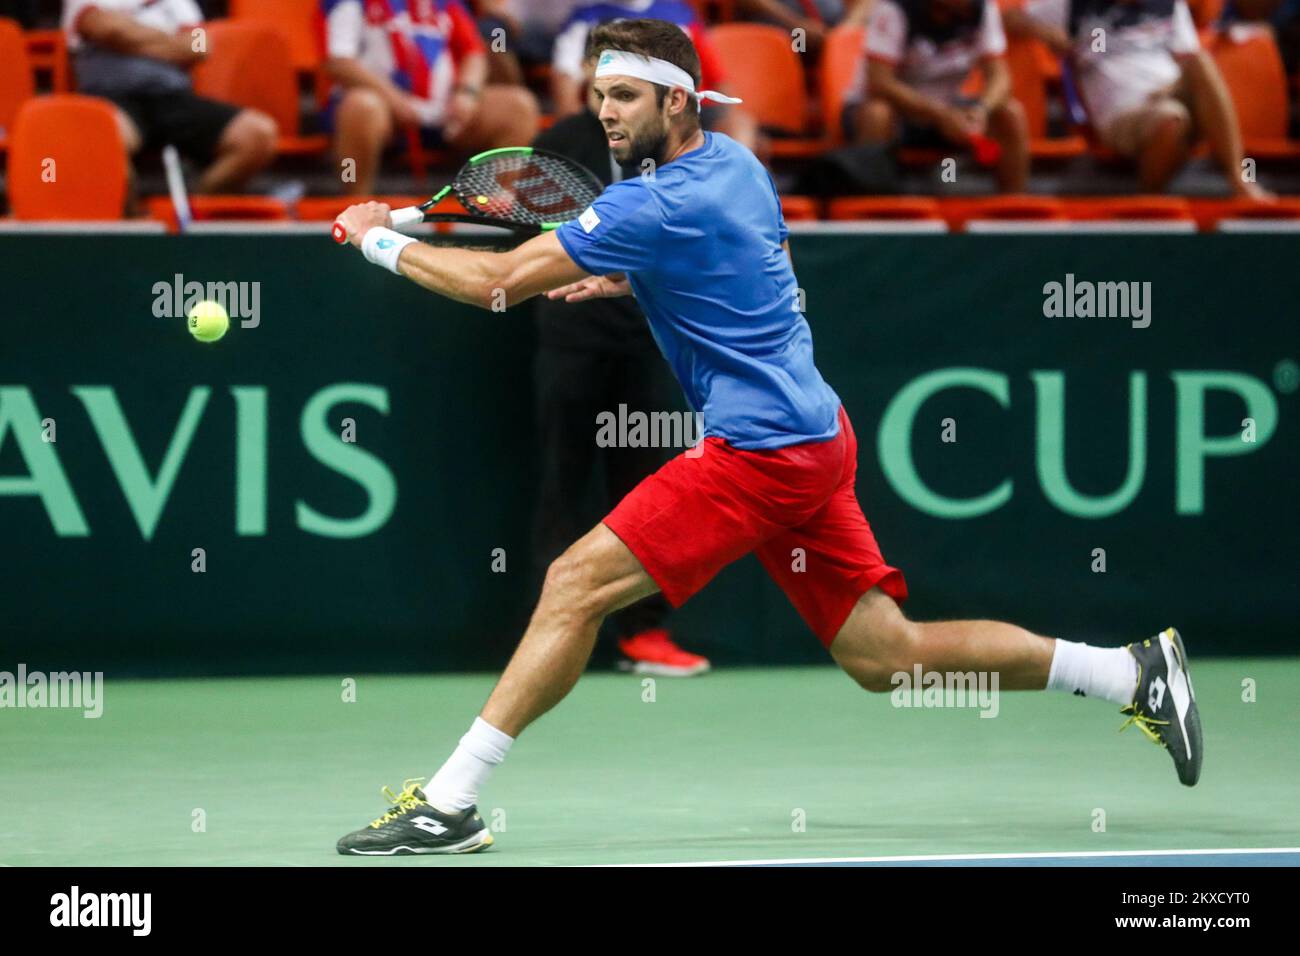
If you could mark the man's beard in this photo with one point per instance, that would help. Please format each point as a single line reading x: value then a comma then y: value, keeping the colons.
x: 645, y: 145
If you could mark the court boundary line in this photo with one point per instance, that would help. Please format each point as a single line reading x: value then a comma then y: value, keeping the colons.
x: 956, y: 857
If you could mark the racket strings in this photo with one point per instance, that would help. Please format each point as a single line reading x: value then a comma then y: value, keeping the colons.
x: 528, y: 189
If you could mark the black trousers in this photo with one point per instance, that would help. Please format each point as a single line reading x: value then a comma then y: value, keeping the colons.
x: 580, y: 481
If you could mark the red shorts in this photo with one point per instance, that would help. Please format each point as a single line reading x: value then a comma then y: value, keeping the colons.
x: 794, y: 506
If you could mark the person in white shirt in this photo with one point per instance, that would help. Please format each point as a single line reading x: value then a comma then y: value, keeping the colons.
x: 916, y: 58
x: 1149, y: 89
x: 418, y: 64
x: 137, y: 54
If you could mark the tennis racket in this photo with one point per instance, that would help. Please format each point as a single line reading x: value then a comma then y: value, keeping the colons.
x: 519, y: 188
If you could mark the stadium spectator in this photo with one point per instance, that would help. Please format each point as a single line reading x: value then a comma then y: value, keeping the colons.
x: 916, y: 57
x: 1150, y: 91
x: 418, y: 64
x: 138, y: 56
x: 569, y: 82
x: 593, y: 357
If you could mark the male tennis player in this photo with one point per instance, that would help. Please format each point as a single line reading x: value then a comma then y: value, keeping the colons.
x: 702, y: 246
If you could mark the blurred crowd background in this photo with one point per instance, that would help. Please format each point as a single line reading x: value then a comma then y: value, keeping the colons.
x: 863, y: 109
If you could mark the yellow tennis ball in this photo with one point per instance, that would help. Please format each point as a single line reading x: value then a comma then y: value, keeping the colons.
x: 208, y: 321
x: 481, y: 200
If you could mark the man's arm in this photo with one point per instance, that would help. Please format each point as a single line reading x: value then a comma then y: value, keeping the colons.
x: 120, y: 33
x: 473, y: 276
x: 883, y: 82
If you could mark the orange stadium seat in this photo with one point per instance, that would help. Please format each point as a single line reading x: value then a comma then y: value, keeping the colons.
x: 768, y: 75
x: 1210, y: 212
x: 885, y: 207
x: 841, y: 58
x: 299, y: 21
x: 959, y: 211
x: 16, y: 84
x: 1252, y: 69
x: 1029, y: 86
x: 47, y: 50
x: 1164, y: 208
x: 248, y: 65
x: 800, y: 208
x: 218, y: 208
x: 67, y: 160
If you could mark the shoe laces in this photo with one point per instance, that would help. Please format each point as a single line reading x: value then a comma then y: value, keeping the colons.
x: 402, y: 802
x: 1144, y: 723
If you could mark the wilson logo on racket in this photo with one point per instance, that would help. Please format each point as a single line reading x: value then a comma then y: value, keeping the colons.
x: 532, y: 187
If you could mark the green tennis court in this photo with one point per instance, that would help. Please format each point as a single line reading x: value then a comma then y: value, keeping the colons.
x: 719, y: 768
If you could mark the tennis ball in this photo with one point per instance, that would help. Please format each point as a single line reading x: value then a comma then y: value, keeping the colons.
x: 208, y: 321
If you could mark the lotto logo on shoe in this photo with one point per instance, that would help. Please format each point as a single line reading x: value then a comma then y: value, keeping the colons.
x: 1157, y: 695
x: 429, y: 825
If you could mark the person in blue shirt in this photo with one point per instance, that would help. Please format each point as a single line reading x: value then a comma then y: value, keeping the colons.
x: 699, y: 240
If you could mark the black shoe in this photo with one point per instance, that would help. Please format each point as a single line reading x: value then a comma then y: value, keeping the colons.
x: 413, y: 825
x: 1164, y: 707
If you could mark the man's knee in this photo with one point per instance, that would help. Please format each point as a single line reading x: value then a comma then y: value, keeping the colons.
x: 876, y: 642
x: 252, y: 133
x: 363, y: 107
x: 571, y: 588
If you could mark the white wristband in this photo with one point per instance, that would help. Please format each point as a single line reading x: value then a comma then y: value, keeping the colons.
x: 383, y: 247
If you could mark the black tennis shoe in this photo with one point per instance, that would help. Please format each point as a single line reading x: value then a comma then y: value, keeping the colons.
x: 1164, y: 706
x: 413, y: 825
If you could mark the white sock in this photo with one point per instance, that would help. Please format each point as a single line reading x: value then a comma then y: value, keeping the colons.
x: 1110, y: 673
x: 456, y: 784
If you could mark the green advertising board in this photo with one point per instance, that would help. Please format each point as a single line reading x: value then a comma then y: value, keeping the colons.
x: 1092, y: 436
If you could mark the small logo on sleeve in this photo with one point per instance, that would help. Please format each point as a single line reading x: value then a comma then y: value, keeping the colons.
x: 589, y: 220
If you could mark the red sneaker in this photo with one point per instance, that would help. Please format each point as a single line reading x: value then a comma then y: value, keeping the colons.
x: 653, y: 652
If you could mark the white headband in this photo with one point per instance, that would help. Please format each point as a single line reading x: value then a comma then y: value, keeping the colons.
x: 654, y: 70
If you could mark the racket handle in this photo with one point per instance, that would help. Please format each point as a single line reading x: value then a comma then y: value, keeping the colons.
x: 406, y: 216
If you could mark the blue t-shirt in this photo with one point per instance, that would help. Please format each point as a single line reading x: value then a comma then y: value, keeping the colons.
x: 701, y: 245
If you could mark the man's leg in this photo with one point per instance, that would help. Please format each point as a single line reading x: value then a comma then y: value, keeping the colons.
x: 1158, y: 136
x: 506, y: 116
x: 1149, y: 679
x: 246, y: 146
x: 878, y: 641
x: 363, y: 124
x: 1203, y: 89
x: 874, y: 121
x: 1008, y: 126
x: 593, y: 578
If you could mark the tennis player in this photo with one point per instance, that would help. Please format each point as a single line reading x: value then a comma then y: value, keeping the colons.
x: 702, y: 245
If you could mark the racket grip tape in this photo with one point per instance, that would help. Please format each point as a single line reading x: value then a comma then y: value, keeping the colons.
x: 406, y: 216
